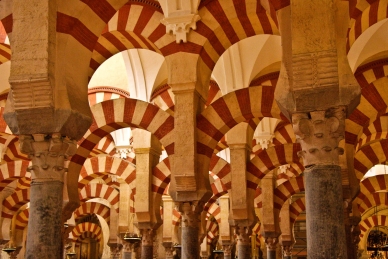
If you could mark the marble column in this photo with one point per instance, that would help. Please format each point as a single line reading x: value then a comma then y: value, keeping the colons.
x: 287, y: 252
x: 147, y: 243
x: 243, y: 242
x: 190, y: 229
x: 227, y: 251
x: 48, y: 154
x: 271, y: 243
x: 319, y: 134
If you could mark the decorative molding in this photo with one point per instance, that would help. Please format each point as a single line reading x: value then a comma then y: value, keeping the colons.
x: 319, y: 134
x: 109, y: 89
x: 179, y: 17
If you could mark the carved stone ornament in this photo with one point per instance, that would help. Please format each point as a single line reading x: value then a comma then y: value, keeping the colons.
x: 169, y: 251
x: 287, y: 250
x: 319, y: 134
x: 243, y: 234
x: 48, y: 154
x: 127, y: 247
x: 190, y: 212
x: 227, y: 249
x: 147, y: 238
x: 271, y: 243
x: 180, y: 17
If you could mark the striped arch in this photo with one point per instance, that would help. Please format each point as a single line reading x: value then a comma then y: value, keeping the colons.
x: 372, y: 71
x: 23, y: 183
x: 115, y: 114
x: 375, y: 12
x: 163, y: 97
x: 371, y: 189
x: 12, y: 203
x: 373, y: 221
x: 176, y: 217
x: 107, y: 146
x: 284, y: 134
x: 21, y: 220
x: 292, y: 171
x: 376, y: 130
x: 374, y: 184
x: 97, y: 190
x: 270, y: 159
x: 12, y: 151
x: 13, y: 170
x: 221, y: 145
x: 212, y: 229
x: 374, y: 103
x: 103, y: 165
x: 228, y: 22
x: 214, y: 92
x: 135, y: 25
x: 93, y: 208
x: 94, y: 231
x: 104, y: 93
x: 370, y: 155
x: 368, y: 201
x: 5, y: 53
x: 221, y: 168
x: 215, y: 211
x: 286, y: 190
x: 161, y: 176
x: 297, y: 207
x: 233, y: 108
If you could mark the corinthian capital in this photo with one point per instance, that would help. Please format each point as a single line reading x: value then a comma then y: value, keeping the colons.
x: 319, y: 134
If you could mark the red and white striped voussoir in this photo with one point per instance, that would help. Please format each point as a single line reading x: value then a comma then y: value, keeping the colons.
x: 5, y: 53
x: 12, y: 203
x: 366, y: 202
x: 13, y: 170
x: 370, y: 155
x: 97, y: 190
x: 372, y: 221
x: 21, y: 220
x: 296, y: 208
x: 107, y: 165
x: 364, y: 17
x: 269, y: 159
x: 376, y: 130
x: 286, y: 190
x: 94, y: 230
x: 121, y: 113
x: 373, y: 104
x: 93, y: 208
x: 235, y: 107
x: 161, y: 176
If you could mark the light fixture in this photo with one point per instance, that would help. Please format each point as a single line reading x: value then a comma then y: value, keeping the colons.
x: 131, y: 238
x: 9, y: 249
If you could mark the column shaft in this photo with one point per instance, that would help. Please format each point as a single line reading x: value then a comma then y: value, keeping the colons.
x: 271, y: 254
x: 127, y: 255
x: 44, y: 228
x: 190, y: 243
x: 244, y: 251
x: 146, y: 252
x: 325, y: 222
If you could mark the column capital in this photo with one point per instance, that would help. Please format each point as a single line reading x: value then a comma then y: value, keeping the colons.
x: 147, y: 238
x: 319, y: 133
x: 287, y: 250
x: 271, y: 243
x: 243, y: 234
x: 48, y: 153
x: 190, y: 212
x: 227, y: 249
